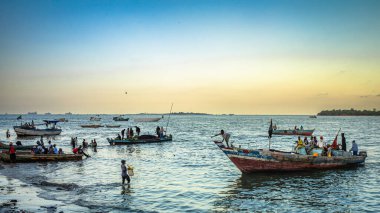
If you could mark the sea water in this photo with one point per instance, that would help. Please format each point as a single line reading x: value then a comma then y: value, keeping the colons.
x: 190, y: 174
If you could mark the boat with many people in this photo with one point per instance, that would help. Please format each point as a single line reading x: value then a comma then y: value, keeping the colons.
x: 30, y: 129
x: 266, y: 160
x: 28, y: 157
x: 140, y: 139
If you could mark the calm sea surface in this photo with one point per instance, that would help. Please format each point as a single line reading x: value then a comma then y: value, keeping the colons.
x: 191, y: 173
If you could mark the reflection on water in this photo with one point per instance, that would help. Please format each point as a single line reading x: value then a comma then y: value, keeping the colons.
x: 192, y: 174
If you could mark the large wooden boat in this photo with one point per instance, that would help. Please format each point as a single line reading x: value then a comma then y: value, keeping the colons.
x: 17, y: 147
x: 27, y: 157
x: 264, y: 160
x: 32, y: 130
x: 147, y: 119
x: 303, y: 132
x: 140, y: 139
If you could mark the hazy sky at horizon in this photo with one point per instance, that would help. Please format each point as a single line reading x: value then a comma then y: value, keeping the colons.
x: 242, y: 57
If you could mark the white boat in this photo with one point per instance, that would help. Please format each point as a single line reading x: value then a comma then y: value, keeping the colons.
x: 147, y: 119
x: 97, y: 118
x: 31, y: 130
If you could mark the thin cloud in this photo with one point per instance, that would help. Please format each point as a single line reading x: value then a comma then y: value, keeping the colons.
x: 364, y: 96
x: 323, y: 94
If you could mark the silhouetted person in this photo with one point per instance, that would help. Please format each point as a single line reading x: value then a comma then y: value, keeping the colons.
x: 343, y: 143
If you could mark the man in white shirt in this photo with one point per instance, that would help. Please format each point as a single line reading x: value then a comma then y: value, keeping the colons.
x: 226, y: 136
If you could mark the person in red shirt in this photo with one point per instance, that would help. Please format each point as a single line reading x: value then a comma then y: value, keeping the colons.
x: 12, y: 152
x: 76, y: 150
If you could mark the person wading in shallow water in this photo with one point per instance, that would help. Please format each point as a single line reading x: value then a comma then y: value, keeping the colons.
x: 124, y: 172
x: 12, y: 152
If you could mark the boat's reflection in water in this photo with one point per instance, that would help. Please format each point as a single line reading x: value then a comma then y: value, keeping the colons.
x: 291, y: 191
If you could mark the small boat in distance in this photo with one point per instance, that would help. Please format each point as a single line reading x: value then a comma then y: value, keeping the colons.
x: 91, y: 126
x: 32, y: 113
x: 303, y: 132
x: 62, y: 120
x: 140, y: 139
x: 113, y: 126
x: 270, y: 160
x: 120, y: 118
x: 96, y: 118
x: 147, y: 119
x: 312, y: 116
x: 29, y: 129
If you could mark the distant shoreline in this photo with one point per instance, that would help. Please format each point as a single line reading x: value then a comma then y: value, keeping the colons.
x: 349, y: 112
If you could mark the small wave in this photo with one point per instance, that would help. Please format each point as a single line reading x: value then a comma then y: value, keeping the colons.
x: 60, y: 186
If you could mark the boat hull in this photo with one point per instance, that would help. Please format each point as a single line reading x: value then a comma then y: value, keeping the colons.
x: 294, y: 132
x: 250, y: 161
x: 114, y: 142
x: 36, y: 132
x: 91, y: 126
x: 29, y: 158
x: 120, y: 119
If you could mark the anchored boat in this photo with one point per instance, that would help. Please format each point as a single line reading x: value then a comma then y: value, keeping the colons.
x: 264, y: 160
x: 31, y: 129
x: 17, y: 147
x: 113, y: 126
x: 91, y: 126
x: 147, y: 119
x: 120, y: 118
x: 140, y: 139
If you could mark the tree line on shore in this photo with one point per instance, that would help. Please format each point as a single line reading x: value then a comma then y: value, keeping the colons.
x: 348, y: 112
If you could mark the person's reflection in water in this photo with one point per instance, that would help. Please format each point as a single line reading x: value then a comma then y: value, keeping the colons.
x: 125, y: 190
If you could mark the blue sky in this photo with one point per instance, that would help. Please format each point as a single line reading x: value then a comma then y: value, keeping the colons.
x: 84, y: 46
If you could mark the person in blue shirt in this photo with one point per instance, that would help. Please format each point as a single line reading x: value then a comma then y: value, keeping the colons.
x: 354, y: 148
x: 55, y: 150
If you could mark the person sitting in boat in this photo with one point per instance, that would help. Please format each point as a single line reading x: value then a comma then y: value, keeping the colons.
x: 18, y: 143
x: 76, y: 149
x: 55, y: 150
x: 301, y: 128
x: 305, y: 141
x: 226, y: 136
x: 329, y: 153
x: 40, y: 149
x: 60, y: 151
x: 274, y: 127
x: 354, y: 148
x: 315, y: 141
x: 300, y: 143
x: 321, y: 143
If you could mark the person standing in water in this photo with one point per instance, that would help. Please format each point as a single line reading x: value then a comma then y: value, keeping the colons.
x: 124, y: 172
x: 8, y: 134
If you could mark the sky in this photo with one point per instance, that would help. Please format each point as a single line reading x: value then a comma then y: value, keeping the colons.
x: 212, y: 56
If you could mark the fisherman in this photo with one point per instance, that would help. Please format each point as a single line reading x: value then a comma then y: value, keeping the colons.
x: 162, y: 132
x: 354, y: 148
x: 343, y: 142
x: 137, y: 130
x: 84, y: 144
x: 94, y: 145
x: 124, y: 172
x: 12, y: 152
x: 122, y: 133
x: 131, y: 133
x: 73, y: 142
x: 8, y: 134
x: 118, y: 137
x: 226, y: 136
x: 158, y: 131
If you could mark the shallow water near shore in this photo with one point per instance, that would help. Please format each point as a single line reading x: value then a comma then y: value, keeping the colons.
x: 191, y: 173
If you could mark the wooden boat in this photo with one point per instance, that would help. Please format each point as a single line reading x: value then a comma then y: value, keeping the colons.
x: 27, y: 157
x: 147, y: 119
x: 140, y: 139
x: 264, y: 160
x: 120, y: 118
x: 17, y: 147
x: 91, y: 126
x: 113, y: 126
x: 312, y: 116
x: 303, y: 132
x: 32, y: 130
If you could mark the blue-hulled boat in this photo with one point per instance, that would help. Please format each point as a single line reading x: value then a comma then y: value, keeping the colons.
x: 140, y: 139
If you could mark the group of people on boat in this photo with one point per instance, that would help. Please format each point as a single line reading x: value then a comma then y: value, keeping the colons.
x: 80, y: 149
x: 128, y: 134
x: 40, y: 148
x: 313, y: 143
